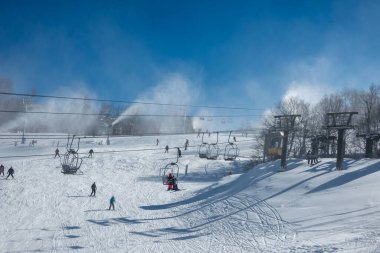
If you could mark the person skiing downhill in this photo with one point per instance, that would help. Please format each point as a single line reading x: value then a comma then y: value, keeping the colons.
x: 167, y: 149
x: 57, y: 153
x: 93, y: 189
x: 112, y: 203
x: 186, y: 144
x: 90, y: 153
x: 10, y: 172
x: 157, y: 141
x: 179, y: 152
x: 2, y: 169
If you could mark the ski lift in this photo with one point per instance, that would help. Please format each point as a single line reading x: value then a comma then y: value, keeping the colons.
x: 170, y: 168
x: 231, y: 151
x: 203, y: 148
x: 213, y: 149
x: 71, y: 161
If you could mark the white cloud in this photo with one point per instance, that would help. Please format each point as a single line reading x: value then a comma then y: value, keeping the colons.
x: 310, y: 81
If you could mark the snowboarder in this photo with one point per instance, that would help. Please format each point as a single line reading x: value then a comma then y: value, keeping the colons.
x: 167, y: 149
x: 57, y: 153
x: 112, y: 203
x: 2, y: 169
x: 157, y: 141
x: 10, y: 172
x: 90, y: 153
x: 179, y: 152
x: 186, y: 144
x: 170, y: 181
x: 93, y: 189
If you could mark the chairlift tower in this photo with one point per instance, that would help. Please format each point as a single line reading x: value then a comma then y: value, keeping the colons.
x: 285, y: 124
x: 370, y: 140
x: 340, y: 121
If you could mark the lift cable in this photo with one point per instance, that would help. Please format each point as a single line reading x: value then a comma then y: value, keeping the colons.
x: 131, y: 115
x: 129, y: 102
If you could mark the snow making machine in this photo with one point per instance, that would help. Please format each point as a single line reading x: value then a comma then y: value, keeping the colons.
x: 231, y: 151
x: 170, y: 168
x: 203, y: 148
x: 213, y: 149
x: 71, y: 161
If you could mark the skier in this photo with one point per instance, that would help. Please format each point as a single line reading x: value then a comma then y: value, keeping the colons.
x: 234, y: 139
x: 186, y: 144
x: 112, y: 203
x: 167, y: 149
x: 157, y: 141
x: 10, y: 172
x: 2, y: 169
x: 179, y: 152
x: 175, y: 185
x: 90, y: 153
x: 308, y: 157
x: 315, y: 158
x: 57, y: 153
x: 170, y: 181
x: 93, y: 189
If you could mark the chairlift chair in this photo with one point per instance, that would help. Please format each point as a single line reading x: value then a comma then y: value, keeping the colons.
x: 172, y: 168
x: 213, y: 149
x: 231, y: 151
x: 71, y: 162
x: 203, y: 148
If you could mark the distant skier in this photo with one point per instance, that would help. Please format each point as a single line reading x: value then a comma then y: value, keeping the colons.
x: 186, y: 144
x: 175, y: 185
x: 57, y: 153
x: 2, y: 169
x: 167, y: 149
x: 308, y: 156
x: 90, y: 153
x: 179, y: 152
x: 170, y: 181
x: 157, y: 141
x: 315, y: 158
x: 11, y: 171
x: 112, y: 203
x: 234, y: 138
x: 93, y: 189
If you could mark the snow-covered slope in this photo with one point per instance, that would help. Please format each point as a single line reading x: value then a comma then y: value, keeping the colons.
x: 256, y: 209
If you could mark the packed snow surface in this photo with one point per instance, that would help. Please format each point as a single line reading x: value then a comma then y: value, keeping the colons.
x: 222, y: 206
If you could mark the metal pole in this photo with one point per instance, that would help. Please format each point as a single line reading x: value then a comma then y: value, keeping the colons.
x: 284, y: 149
x: 340, y: 154
x: 23, y: 130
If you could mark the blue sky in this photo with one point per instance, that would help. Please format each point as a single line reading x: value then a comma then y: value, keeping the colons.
x: 235, y: 53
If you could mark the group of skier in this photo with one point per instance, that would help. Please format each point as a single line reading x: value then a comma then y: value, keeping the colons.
x: 112, y: 199
x: 172, y: 182
x: 10, y: 172
x: 311, y: 158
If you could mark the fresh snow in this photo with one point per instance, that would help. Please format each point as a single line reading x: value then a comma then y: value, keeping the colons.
x: 254, y: 209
